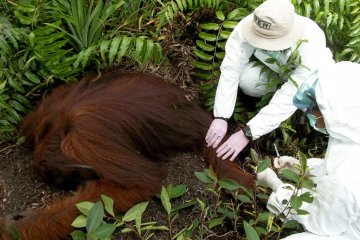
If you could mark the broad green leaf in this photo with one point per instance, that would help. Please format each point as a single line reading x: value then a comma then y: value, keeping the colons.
x: 95, y: 217
x: 209, y: 26
x: 205, y: 46
x: 79, y: 222
x: 221, y: 45
x: 251, y: 233
x: 220, y: 55
x: 244, y: 198
x: 290, y: 224
x: 32, y: 77
x: 104, y: 231
x: 353, y: 43
x: 302, y: 212
x: 114, y: 49
x: 290, y: 175
x: 237, y: 14
x: 210, y: 173
x: 295, y: 202
x: 165, y: 200
x: 17, y: 106
x: 263, y: 165
x: 184, y: 205
x: 229, y: 184
x: 225, y: 34
x: 230, y: 24
x: 202, y: 65
x: 124, y: 46
x: 149, y: 50
x: 176, y: 191
x: 306, y: 197
x: 135, y: 212
x: 308, y: 183
x: 180, y: 5
x: 215, y: 222
x: 263, y: 217
x: 202, y: 55
x: 247, y: 191
x: 104, y: 46
x: 220, y: 15
x: 108, y: 204
x: 139, y: 46
x: 203, y: 76
x: 13, y: 83
x: 207, y: 36
x: 203, y: 177
x: 78, y: 235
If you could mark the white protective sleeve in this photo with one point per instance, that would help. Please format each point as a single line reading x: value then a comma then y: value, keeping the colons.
x: 313, y: 54
x: 334, y: 208
x: 238, y: 53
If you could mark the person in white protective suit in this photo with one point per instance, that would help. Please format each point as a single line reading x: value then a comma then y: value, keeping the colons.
x: 334, y: 213
x: 273, y: 30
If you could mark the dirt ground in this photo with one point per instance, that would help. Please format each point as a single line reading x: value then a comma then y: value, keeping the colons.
x: 21, y: 188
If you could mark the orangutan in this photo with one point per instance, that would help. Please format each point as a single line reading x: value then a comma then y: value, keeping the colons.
x: 111, y: 136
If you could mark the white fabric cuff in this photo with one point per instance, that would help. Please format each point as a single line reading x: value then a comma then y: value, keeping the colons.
x: 278, y: 200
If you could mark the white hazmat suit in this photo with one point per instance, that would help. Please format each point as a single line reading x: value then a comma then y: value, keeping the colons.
x: 335, y: 211
x: 237, y: 71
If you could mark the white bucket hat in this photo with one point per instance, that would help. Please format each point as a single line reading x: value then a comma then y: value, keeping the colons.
x: 273, y: 25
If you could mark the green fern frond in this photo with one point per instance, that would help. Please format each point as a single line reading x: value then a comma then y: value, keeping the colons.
x: 210, y: 50
x: 172, y: 9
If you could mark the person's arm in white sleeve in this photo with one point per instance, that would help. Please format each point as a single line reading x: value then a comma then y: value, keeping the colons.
x: 313, y: 54
x: 316, y: 166
x: 237, y: 55
x: 332, y: 211
x: 281, y: 106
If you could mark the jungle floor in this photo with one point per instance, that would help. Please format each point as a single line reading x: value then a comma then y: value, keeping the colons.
x: 22, y: 189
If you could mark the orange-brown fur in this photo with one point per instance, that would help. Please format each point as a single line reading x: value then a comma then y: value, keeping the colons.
x: 111, y: 136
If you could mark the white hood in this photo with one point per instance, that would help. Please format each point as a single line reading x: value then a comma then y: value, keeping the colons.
x: 338, y: 97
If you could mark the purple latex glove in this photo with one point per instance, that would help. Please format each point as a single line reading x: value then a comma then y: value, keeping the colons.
x: 216, y: 132
x: 233, y: 146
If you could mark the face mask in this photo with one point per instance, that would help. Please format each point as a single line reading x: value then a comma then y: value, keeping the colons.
x: 306, y: 101
x: 312, y: 121
x: 272, y: 54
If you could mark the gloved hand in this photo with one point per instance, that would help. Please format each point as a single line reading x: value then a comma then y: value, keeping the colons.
x: 216, y: 132
x: 285, y: 162
x: 233, y: 146
x: 269, y: 178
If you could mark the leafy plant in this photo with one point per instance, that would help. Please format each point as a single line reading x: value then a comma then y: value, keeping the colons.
x: 341, y: 22
x: 50, y: 42
x: 94, y: 220
x: 170, y: 9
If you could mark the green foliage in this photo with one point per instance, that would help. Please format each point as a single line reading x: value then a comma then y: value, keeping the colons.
x: 210, y: 50
x: 45, y: 43
x: 85, y: 21
x: 171, y: 9
x: 98, y: 221
x: 341, y: 22
x: 91, y: 218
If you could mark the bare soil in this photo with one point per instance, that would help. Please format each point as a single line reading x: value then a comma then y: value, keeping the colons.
x: 22, y: 189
